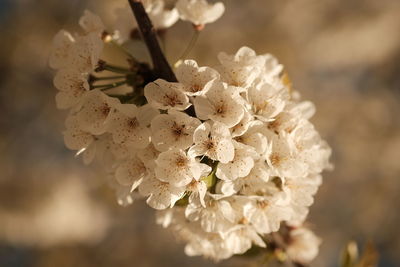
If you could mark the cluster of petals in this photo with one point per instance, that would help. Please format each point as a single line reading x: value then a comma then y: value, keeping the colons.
x: 265, y: 154
x: 226, y: 154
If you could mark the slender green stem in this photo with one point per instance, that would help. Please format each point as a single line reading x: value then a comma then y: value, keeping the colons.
x: 108, y: 86
x: 116, y: 69
x: 122, y: 48
x: 190, y: 45
x: 108, y: 78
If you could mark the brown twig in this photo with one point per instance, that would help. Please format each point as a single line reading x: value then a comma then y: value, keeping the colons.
x: 160, y: 64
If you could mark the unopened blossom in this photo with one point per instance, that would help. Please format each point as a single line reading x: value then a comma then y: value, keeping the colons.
x: 199, y: 12
x: 60, y: 51
x: 179, y: 169
x: 166, y: 95
x: 213, y: 141
x: 131, y: 172
x: 303, y: 245
x: 196, y: 80
x: 129, y: 125
x: 240, y: 165
x: 72, y: 86
x: 161, y: 195
x: 173, y: 130
x: 90, y: 22
x: 220, y: 104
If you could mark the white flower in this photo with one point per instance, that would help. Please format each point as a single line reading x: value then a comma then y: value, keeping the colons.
x: 265, y: 214
x: 161, y: 194
x: 241, y: 238
x: 160, y: 16
x: 174, y: 130
x: 217, y: 216
x: 300, y: 192
x: 60, y: 51
x: 84, y: 55
x: 198, y: 190
x: 220, y: 104
x: 267, y: 100
x: 272, y: 69
x: 196, y: 80
x: 291, y: 116
x: 242, y: 68
x: 94, y: 115
x: 165, y: 95
x: 240, y: 165
x: 86, y: 144
x: 72, y: 85
x: 311, y: 149
x: 179, y: 169
x: 243, y: 125
x: 303, y: 245
x: 253, y: 184
x: 283, y: 159
x: 74, y: 137
x: 209, y: 245
x: 214, y: 142
x: 254, y: 136
x: 199, y: 12
x: 148, y: 155
x: 91, y: 23
x: 131, y: 172
x: 129, y: 125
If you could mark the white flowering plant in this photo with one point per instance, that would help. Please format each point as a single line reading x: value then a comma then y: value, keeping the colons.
x: 226, y: 154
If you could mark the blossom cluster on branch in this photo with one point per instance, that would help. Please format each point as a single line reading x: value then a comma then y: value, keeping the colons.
x: 226, y: 154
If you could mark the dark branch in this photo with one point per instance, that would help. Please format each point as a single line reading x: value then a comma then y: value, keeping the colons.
x: 160, y: 63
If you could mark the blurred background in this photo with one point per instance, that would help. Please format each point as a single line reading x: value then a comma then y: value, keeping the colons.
x: 343, y: 55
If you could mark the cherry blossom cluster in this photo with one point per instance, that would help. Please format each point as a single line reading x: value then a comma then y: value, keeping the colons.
x: 255, y: 134
x: 225, y: 154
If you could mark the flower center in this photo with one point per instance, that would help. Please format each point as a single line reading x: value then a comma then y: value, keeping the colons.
x: 133, y: 123
x: 172, y: 100
x: 195, y: 88
x: 275, y: 159
x: 105, y: 109
x: 180, y: 161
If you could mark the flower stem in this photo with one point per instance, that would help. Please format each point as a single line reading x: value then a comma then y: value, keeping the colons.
x: 94, y: 78
x: 189, y: 47
x: 104, y: 87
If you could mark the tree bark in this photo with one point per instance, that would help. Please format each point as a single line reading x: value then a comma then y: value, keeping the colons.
x: 160, y: 64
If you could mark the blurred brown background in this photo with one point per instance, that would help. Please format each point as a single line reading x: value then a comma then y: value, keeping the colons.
x: 342, y: 54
